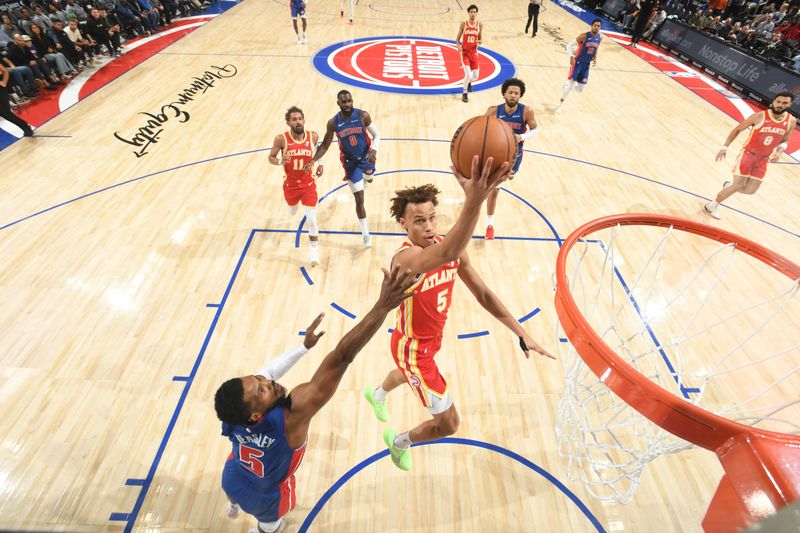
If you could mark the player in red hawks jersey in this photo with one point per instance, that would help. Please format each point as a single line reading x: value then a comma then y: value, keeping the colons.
x: 767, y: 141
x: 472, y: 32
x: 299, y: 187
x: 417, y: 335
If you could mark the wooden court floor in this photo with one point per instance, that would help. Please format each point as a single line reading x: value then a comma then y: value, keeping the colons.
x: 131, y: 287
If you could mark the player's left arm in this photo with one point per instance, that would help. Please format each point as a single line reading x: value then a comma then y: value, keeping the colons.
x: 530, y: 121
x: 596, y: 52
x: 314, y: 142
x: 458, y: 37
x: 492, y: 303
x: 372, y: 155
x: 480, y: 32
x: 778, y: 151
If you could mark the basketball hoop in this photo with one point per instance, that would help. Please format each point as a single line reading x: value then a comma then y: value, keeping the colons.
x: 674, y: 371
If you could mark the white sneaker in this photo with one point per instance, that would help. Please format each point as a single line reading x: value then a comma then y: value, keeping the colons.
x: 314, y: 256
x: 712, y: 211
x: 299, y: 39
x: 305, y: 39
x: 233, y: 510
x: 281, y: 528
x: 367, y: 241
x: 557, y: 110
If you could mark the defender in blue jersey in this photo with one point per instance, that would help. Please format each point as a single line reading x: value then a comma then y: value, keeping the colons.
x: 268, y: 428
x: 581, y: 59
x: 298, y: 11
x: 358, y: 151
x: 522, y: 121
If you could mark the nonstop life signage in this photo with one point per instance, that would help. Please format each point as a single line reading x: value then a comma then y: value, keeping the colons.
x: 411, y: 65
x: 742, y: 71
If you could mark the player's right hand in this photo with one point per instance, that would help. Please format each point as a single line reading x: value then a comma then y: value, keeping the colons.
x: 394, y: 287
x: 721, y: 155
x: 311, y: 337
x: 480, y: 187
x: 571, y: 60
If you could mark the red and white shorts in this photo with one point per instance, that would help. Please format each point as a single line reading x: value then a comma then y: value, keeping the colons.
x: 305, y: 194
x: 469, y: 58
x: 751, y: 165
x: 414, y: 358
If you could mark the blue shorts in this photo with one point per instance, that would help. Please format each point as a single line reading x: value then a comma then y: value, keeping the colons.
x: 266, y: 504
x: 517, y: 161
x: 297, y: 10
x: 580, y: 72
x: 354, y: 169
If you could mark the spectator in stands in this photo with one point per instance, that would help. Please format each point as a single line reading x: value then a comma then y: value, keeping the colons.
x: 76, y: 10
x: 40, y: 18
x: 646, y: 13
x: 628, y: 14
x: 655, y: 22
x: 713, y: 24
x: 697, y: 19
x: 792, y: 35
x: 128, y: 18
x: 22, y: 55
x: 775, y: 49
x: 726, y: 28
x: 46, y: 48
x: 796, y: 62
x: 764, y: 28
x: 736, y: 29
x: 25, y: 20
x: 56, y: 14
x: 717, y: 6
x: 149, y: 12
x: 751, y: 43
x: 779, y: 15
x: 100, y: 34
x: 8, y: 27
x: 741, y: 35
x: 21, y: 76
x: 75, y: 54
x: 82, y: 42
x: 111, y: 24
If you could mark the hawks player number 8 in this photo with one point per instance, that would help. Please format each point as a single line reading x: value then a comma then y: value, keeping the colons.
x: 767, y: 140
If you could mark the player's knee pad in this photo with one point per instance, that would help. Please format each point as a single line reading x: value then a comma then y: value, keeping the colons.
x: 311, y: 218
x: 467, y: 72
x: 356, y: 187
x: 474, y: 75
x: 293, y: 209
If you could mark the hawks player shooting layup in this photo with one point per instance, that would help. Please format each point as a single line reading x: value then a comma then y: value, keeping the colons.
x: 768, y: 139
x: 299, y: 186
x: 472, y: 31
x: 579, y: 61
x: 417, y: 335
x: 523, y: 123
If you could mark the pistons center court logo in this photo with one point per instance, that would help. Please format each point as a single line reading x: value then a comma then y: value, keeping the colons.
x: 410, y: 65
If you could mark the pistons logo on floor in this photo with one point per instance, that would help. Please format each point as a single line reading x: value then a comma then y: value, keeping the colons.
x: 411, y: 65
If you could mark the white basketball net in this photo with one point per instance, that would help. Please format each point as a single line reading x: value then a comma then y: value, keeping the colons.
x: 702, y: 320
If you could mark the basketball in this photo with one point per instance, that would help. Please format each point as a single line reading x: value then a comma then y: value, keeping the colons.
x: 485, y: 137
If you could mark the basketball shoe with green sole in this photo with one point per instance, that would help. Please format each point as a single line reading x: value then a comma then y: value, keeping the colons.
x: 380, y: 409
x: 400, y: 458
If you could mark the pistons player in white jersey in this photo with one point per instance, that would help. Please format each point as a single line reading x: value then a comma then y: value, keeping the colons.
x: 299, y: 187
x: 472, y: 32
x: 767, y: 141
x: 417, y: 335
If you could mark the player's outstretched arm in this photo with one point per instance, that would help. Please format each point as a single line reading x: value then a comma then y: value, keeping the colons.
x: 309, y: 398
x: 496, y: 308
x: 750, y: 121
x: 277, y: 147
x: 476, y: 190
x: 326, y: 142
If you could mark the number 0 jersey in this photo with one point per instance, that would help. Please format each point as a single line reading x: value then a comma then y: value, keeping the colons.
x: 766, y: 134
x: 424, y: 315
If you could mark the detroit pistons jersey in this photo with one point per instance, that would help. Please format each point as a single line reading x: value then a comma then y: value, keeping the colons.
x: 588, y: 48
x: 261, y: 451
x: 767, y: 134
x: 296, y: 155
x: 469, y: 39
x: 353, y: 140
x: 515, y: 119
x: 424, y: 315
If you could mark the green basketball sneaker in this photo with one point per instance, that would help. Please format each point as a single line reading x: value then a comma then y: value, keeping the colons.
x: 379, y: 408
x: 400, y: 458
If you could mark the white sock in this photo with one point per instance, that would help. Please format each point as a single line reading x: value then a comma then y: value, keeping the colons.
x: 713, y: 204
x: 380, y: 395
x: 567, y: 89
x: 363, y: 223
x: 313, y: 243
x: 489, y: 220
x: 402, y: 441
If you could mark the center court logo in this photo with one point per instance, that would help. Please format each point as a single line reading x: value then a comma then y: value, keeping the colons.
x: 409, y: 65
